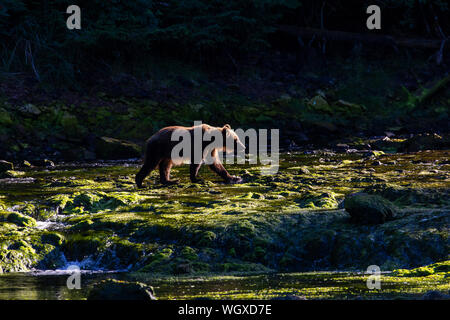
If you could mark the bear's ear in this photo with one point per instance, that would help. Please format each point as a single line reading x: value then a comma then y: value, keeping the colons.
x: 227, y: 126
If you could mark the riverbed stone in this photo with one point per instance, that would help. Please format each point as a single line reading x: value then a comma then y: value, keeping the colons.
x: 369, y: 209
x: 112, y: 289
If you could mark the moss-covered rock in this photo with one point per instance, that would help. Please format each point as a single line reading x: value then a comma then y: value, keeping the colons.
x: 17, y: 218
x: 326, y: 200
x: 401, y: 195
x: 53, y: 238
x: 112, y: 289
x: 439, y: 267
x: 158, y: 260
x: 369, y: 209
x: 23, y: 250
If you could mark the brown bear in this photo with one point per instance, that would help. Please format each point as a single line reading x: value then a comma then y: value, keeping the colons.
x: 158, y: 153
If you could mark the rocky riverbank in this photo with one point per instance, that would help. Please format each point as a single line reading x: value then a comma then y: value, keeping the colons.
x: 296, y: 220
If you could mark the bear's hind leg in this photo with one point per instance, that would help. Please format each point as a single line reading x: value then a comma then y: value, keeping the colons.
x: 145, y: 171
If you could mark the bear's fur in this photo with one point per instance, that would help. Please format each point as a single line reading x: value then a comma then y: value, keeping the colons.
x: 159, y: 147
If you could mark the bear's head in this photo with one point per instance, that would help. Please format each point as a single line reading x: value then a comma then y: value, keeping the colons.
x: 231, y: 140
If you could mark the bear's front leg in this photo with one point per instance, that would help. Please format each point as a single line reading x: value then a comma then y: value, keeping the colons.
x: 218, y: 168
x: 193, y: 169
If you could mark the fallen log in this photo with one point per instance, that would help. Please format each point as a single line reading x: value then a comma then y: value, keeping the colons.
x: 363, y: 37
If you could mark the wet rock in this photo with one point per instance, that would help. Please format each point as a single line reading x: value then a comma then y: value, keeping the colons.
x: 112, y: 289
x: 426, y: 141
x: 113, y: 149
x: 369, y: 209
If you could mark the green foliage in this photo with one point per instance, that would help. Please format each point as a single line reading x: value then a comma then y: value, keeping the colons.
x: 115, y: 31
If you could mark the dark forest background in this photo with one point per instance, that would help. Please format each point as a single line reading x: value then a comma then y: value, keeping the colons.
x: 311, y: 68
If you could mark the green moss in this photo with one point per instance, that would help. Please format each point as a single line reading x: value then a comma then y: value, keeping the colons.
x: 317, y: 200
x: 189, y: 253
x: 18, y: 219
x: 13, y: 174
x: 286, y: 222
x: 80, y: 202
x: 157, y: 260
x: 53, y: 238
x: 205, y: 238
x: 440, y: 267
x: 80, y: 246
